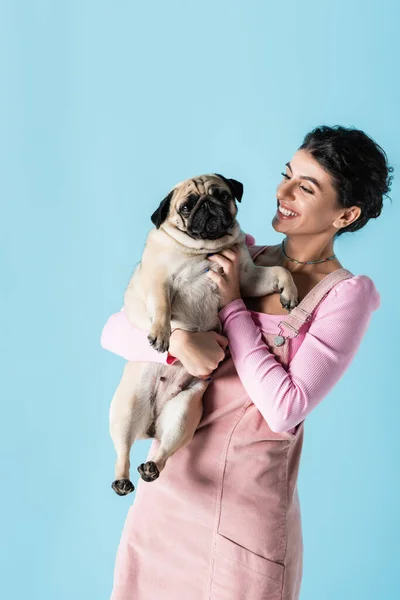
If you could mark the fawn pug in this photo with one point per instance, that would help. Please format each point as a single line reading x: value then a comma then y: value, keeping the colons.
x: 169, y: 288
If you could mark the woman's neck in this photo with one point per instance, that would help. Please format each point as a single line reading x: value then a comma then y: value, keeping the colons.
x: 306, y: 248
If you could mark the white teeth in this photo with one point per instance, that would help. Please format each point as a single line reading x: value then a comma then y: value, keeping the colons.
x: 287, y: 213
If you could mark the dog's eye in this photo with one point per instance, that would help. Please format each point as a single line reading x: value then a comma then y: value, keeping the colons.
x: 189, y: 204
x: 220, y: 194
x: 223, y: 195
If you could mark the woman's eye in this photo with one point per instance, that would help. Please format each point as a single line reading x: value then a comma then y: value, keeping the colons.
x: 306, y: 189
x: 300, y: 186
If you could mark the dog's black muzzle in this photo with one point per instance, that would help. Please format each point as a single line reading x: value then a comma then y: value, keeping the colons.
x: 209, y: 220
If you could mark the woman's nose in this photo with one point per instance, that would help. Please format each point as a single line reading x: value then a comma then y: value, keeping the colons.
x: 286, y: 190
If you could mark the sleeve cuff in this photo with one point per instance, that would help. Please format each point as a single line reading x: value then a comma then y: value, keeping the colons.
x: 171, y: 359
x: 250, y: 240
x: 230, y: 308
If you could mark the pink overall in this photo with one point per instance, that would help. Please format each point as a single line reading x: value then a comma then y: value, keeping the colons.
x: 223, y: 520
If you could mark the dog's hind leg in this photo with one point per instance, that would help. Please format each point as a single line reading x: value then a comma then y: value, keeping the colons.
x: 175, y: 427
x: 129, y: 418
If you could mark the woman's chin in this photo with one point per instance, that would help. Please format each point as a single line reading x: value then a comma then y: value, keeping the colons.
x: 278, y: 225
x: 282, y: 225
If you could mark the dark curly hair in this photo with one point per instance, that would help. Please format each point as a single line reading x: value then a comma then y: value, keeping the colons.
x: 359, y: 169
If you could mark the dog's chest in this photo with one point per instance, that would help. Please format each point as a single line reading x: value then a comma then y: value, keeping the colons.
x: 195, y: 297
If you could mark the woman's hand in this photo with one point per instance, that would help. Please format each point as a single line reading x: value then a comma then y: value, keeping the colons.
x: 200, y: 352
x: 228, y: 282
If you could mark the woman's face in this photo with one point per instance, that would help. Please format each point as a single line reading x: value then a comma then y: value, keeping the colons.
x: 307, y: 190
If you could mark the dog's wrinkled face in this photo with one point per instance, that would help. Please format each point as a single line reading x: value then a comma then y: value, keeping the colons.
x: 203, y: 207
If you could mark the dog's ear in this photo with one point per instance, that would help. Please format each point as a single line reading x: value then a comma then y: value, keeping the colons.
x: 161, y: 213
x: 235, y: 186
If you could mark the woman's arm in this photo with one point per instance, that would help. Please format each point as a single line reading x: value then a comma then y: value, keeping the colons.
x: 121, y: 337
x: 286, y: 397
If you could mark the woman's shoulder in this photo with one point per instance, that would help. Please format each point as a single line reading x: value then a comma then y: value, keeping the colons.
x: 358, y: 290
x: 356, y: 286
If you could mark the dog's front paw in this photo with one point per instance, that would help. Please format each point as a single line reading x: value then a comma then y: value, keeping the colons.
x: 289, y: 300
x: 159, y: 336
x: 149, y: 471
x: 288, y: 291
x: 122, y: 487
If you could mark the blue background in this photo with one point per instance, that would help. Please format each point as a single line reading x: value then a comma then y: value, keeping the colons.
x: 104, y: 106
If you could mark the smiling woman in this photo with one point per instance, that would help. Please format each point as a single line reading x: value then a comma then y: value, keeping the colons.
x: 338, y: 178
x: 334, y: 183
x: 225, y: 515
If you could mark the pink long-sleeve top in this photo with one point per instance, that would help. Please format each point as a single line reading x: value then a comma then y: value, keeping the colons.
x: 283, y: 396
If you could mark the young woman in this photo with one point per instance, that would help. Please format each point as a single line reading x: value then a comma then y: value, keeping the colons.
x: 223, y: 520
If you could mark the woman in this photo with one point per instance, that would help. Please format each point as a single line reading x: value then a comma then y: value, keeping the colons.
x: 223, y: 520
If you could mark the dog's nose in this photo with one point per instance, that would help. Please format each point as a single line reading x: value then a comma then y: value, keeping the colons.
x: 205, y: 201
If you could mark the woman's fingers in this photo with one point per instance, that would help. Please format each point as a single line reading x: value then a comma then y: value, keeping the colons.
x: 226, y: 258
x: 221, y: 260
x: 222, y: 340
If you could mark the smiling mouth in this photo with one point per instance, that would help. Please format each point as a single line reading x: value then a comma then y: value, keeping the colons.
x: 286, y: 212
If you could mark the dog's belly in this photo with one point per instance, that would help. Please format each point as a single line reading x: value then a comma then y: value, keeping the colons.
x: 194, y: 299
x: 159, y: 383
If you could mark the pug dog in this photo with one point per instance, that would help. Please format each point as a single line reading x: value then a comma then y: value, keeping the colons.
x: 169, y: 289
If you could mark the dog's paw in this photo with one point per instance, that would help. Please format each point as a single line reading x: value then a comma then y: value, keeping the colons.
x: 159, y: 337
x: 122, y: 487
x: 148, y: 471
x: 289, y: 301
x: 289, y: 297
